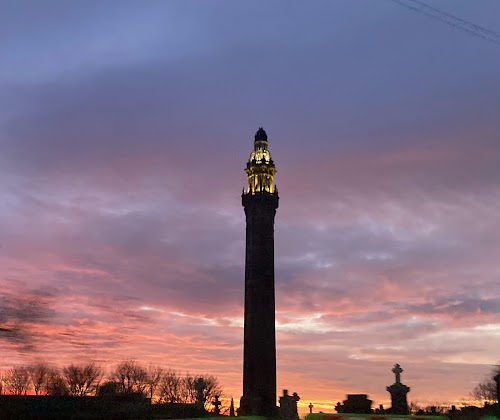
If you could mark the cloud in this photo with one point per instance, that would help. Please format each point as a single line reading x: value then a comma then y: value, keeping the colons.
x: 20, y: 313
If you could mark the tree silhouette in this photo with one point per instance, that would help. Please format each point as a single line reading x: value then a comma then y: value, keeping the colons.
x: 38, y: 374
x: 169, y: 388
x: 188, y: 389
x: 17, y: 380
x: 486, y: 391
x: 82, y: 379
x: 131, y: 376
x: 177, y: 389
x: 109, y: 389
x: 212, y: 390
x: 153, y: 378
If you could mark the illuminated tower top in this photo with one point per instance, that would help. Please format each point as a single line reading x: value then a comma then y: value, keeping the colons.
x: 260, y: 167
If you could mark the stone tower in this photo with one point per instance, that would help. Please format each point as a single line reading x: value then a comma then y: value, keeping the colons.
x: 260, y: 201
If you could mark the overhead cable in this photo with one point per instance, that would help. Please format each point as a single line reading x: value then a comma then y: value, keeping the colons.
x: 451, y: 20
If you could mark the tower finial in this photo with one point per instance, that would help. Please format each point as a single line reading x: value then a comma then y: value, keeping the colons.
x: 260, y: 135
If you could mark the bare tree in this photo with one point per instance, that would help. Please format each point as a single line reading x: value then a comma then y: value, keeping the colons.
x: 182, y: 389
x: 82, y: 379
x: 131, y: 376
x: 188, y: 389
x: 486, y: 391
x: 38, y: 374
x: 17, y: 380
x: 153, y: 378
x: 212, y: 389
x: 169, y: 388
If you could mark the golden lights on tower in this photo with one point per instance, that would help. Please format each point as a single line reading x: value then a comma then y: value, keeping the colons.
x: 260, y: 168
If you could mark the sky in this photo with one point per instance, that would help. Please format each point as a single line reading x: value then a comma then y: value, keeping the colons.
x: 125, y: 127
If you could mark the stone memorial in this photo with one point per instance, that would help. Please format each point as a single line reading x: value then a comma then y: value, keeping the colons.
x: 216, y: 403
x: 356, y: 403
x: 231, y: 409
x: 398, y: 391
x: 200, y: 386
x: 288, y: 406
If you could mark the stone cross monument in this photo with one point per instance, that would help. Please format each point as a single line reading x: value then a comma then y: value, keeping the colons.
x: 397, y: 371
x: 398, y: 393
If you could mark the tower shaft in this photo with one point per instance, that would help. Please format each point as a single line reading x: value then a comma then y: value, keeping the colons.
x: 259, y: 358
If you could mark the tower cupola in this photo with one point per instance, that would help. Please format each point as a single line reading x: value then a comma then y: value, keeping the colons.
x: 260, y: 168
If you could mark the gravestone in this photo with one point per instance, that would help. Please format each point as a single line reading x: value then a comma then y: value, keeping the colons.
x: 216, y: 405
x: 231, y: 409
x: 288, y: 406
x: 357, y: 403
x: 398, y: 391
x: 200, y: 386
